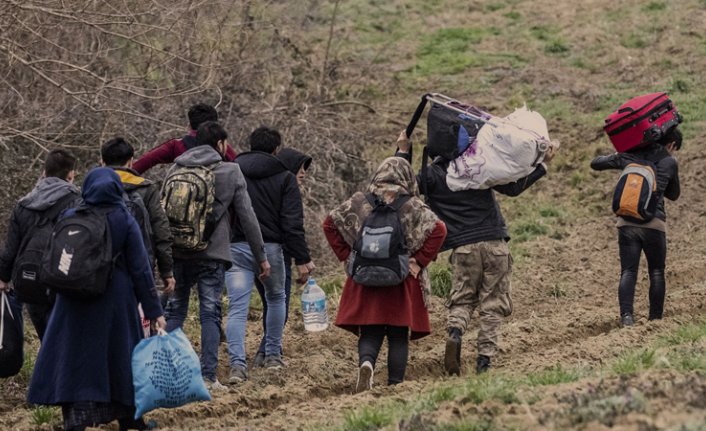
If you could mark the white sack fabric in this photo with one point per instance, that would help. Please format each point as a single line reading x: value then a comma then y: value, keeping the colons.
x: 505, y: 150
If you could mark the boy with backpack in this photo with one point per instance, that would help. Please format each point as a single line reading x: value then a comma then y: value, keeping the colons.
x: 168, y: 151
x: 650, y: 173
x: 143, y: 201
x: 29, y: 231
x: 201, y: 194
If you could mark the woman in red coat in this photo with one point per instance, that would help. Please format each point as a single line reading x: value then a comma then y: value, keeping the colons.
x: 398, y: 312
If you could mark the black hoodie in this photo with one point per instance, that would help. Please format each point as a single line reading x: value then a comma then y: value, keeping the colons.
x: 277, y: 203
x: 294, y: 160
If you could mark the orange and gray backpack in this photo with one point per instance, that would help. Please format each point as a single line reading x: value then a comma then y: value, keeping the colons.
x: 634, y: 198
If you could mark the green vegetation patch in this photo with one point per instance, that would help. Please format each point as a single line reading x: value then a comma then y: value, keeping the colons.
x: 450, y: 51
x: 441, y: 279
x: 686, y: 334
x: 634, y: 362
x: 553, y: 376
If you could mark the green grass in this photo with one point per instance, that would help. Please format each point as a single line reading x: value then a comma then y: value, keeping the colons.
x: 45, y: 415
x: 655, y: 6
x: 527, y: 230
x: 686, y: 334
x: 441, y: 279
x: 490, y: 387
x: 368, y: 418
x: 634, y: 362
x: 553, y: 376
x: 557, y: 46
x: 448, y: 50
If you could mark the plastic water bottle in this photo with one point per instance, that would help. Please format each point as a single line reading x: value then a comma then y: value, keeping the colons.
x: 314, y: 307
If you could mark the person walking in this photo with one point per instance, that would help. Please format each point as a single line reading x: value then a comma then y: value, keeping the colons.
x: 53, y: 193
x: 85, y: 362
x: 278, y: 205
x: 480, y: 262
x: 205, y: 266
x: 649, y: 237
x: 297, y: 163
x: 118, y: 155
x: 168, y: 151
x: 398, y: 312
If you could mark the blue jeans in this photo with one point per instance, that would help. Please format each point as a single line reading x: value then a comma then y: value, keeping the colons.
x: 240, y: 279
x: 208, y: 275
x: 287, y: 295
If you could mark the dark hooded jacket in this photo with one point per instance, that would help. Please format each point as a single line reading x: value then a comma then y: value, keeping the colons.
x: 667, y: 171
x: 161, y: 234
x: 471, y: 216
x: 277, y: 203
x: 86, y: 353
x: 294, y: 160
x: 50, y: 195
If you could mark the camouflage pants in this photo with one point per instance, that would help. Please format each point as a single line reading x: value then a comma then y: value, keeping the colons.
x: 481, y: 279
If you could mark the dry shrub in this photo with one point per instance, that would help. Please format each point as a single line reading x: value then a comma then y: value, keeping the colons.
x: 79, y: 72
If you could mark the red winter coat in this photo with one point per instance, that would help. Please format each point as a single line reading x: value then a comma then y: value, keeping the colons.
x: 401, y: 305
x: 168, y: 151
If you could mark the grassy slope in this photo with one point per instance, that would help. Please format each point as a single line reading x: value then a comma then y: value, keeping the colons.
x: 574, y: 63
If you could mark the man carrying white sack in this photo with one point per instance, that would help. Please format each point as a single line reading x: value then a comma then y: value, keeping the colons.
x: 481, y: 260
x: 504, y: 150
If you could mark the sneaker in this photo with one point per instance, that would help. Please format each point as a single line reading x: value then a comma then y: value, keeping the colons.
x: 452, y: 356
x: 259, y: 360
x: 215, y: 386
x: 626, y: 320
x: 482, y: 364
x: 365, y: 378
x: 237, y: 375
x: 273, y: 363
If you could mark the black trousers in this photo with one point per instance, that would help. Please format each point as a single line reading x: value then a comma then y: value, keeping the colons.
x: 632, y: 241
x: 370, y: 342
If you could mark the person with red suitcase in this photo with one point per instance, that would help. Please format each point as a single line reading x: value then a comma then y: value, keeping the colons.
x: 646, y: 143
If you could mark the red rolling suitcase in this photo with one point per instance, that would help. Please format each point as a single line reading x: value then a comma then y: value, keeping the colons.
x: 641, y: 120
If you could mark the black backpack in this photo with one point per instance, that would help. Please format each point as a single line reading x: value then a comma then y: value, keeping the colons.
x: 136, y: 205
x: 380, y: 255
x: 25, y: 276
x: 78, y: 261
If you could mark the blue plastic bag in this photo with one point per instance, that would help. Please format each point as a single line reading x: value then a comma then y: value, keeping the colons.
x: 166, y: 373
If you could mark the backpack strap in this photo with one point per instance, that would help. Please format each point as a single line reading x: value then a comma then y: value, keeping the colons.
x: 52, y: 213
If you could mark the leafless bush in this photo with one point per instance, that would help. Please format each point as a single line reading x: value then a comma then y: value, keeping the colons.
x: 78, y: 72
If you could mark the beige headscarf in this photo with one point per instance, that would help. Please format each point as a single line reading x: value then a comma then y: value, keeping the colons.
x: 392, y: 178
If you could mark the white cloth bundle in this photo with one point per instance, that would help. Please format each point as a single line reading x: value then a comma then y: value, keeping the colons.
x: 505, y: 150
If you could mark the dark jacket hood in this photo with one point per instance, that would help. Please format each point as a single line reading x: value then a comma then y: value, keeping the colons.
x: 102, y: 186
x: 294, y: 160
x: 202, y: 155
x: 258, y: 165
x: 47, y: 192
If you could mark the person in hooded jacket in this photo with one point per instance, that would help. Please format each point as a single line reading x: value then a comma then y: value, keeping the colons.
x: 650, y: 237
x: 53, y: 193
x: 297, y: 163
x: 118, y: 154
x: 398, y: 312
x: 84, y: 363
x: 206, y: 269
x: 278, y: 205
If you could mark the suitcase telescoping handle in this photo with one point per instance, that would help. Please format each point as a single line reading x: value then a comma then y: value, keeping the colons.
x: 439, y: 99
